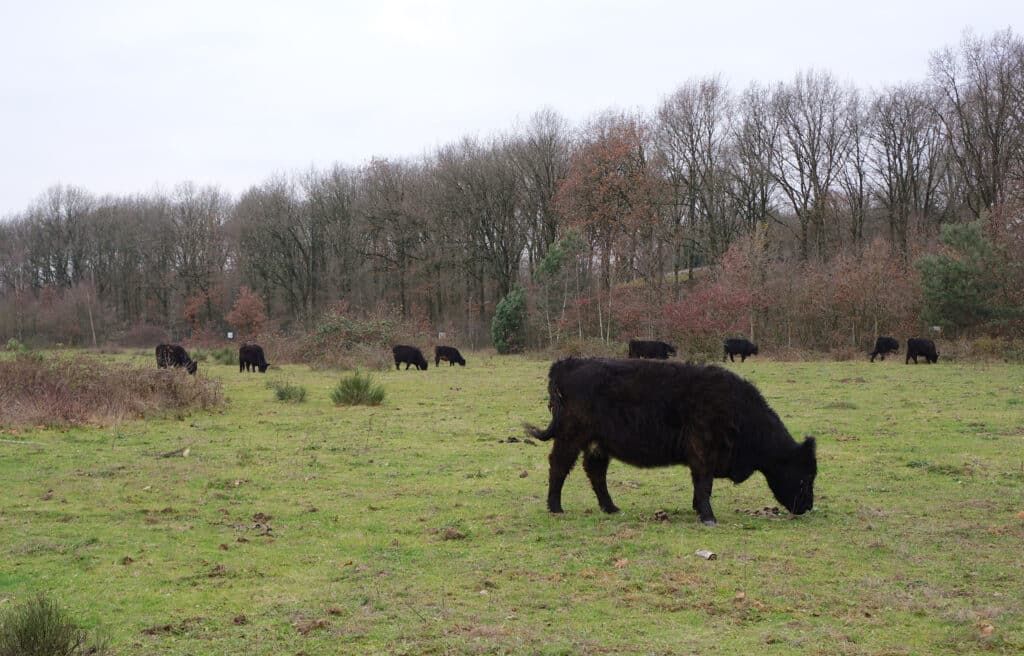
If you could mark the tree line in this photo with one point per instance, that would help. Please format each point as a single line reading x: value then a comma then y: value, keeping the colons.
x: 721, y: 201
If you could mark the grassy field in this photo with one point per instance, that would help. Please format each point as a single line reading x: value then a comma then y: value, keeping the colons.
x: 418, y: 528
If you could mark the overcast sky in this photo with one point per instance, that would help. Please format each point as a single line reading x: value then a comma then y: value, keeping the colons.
x: 121, y: 97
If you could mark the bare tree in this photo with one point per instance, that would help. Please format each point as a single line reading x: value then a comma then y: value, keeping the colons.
x: 814, y: 137
x: 980, y: 110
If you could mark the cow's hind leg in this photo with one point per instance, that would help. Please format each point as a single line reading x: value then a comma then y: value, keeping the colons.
x: 702, y: 497
x: 595, y: 463
x: 562, y: 460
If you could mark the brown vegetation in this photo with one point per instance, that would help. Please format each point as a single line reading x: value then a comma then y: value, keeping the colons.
x: 66, y: 391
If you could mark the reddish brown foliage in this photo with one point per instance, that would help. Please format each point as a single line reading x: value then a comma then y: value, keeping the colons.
x: 248, y: 315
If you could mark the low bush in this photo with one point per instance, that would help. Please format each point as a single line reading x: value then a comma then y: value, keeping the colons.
x: 224, y: 355
x: 76, y: 390
x: 40, y: 627
x: 357, y: 389
x: 286, y: 391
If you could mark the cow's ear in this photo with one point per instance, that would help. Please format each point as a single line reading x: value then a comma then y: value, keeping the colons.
x: 808, y: 448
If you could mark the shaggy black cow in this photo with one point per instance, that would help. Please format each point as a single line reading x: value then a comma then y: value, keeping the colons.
x: 923, y: 347
x: 653, y: 414
x: 251, y: 355
x: 172, y: 355
x: 738, y: 346
x: 409, y: 355
x: 449, y: 354
x: 655, y: 350
x: 884, y: 346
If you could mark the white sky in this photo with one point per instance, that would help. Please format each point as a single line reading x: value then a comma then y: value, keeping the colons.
x: 122, y: 97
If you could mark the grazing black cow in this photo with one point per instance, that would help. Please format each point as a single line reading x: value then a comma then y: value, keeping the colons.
x: 251, y: 355
x: 738, y: 346
x: 654, y: 414
x: 409, y: 355
x: 172, y: 355
x: 639, y: 348
x: 923, y: 347
x: 884, y: 346
x: 449, y: 354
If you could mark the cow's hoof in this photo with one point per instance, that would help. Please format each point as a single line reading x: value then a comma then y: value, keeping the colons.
x: 611, y: 510
x: 555, y: 511
x: 709, y: 522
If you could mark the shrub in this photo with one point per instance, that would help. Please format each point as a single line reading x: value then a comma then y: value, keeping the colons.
x: 224, y: 355
x: 509, y: 320
x: 14, y: 345
x: 357, y: 389
x: 40, y: 627
x: 286, y: 391
x: 66, y: 391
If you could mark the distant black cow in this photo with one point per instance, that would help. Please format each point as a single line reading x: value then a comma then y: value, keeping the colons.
x: 409, y: 355
x: 450, y: 354
x: 251, y: 355
x: 639, y: 348
x: 923, y: 347
x: 884, y: 346
x: 172, y: 355
x: 653, y: 414
x: 738, y: 346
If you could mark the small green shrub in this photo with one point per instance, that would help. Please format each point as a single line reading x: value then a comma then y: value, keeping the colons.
x: 509, y: 321
x: 14, y: 345
x: 225, y: 355
x: 199, y: 355
x: 40, y: 627
x: 286, y: 391
x: 357, y: 389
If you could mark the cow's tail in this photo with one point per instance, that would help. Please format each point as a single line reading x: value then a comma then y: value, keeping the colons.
x: 556, y: 415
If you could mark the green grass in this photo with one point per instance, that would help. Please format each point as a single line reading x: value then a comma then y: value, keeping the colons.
x: 415, y: 527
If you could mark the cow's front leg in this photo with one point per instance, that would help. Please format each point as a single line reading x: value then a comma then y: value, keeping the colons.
x: 562, y: 460
x: 702, y: 497
x: 595, y: 463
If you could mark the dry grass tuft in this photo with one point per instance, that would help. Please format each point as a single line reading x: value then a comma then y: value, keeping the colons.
x: 69, y: 391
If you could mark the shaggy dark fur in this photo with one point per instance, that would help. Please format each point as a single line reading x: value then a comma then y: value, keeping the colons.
x: 654, y: 414
x: 449, y: 354
x: 172, y: 355
x: 251, y: 355
x: 654, y: 350
x: 884, y: 346
x: 409, y: 355
x: 738, y: 346
x: 923, y: 347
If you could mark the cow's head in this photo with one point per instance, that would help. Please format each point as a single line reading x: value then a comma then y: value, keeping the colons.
x: 263, y: 367
x: 753, y: 350
x: 671, y: 349
x: 192, y: 366
x: 791, y: 477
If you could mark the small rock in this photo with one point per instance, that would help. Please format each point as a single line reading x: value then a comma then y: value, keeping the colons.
x: 240, y: 620
x: 524, y: 474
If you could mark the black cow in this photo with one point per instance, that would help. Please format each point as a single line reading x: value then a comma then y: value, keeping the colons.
x: 639, y: 348
x: 251, y: 355
x: 449, y: 354
x: 409, y: 355
x: 654, y: 414
x: 172, y: 355
x: 924, y: 347
x: 738, y: 346
x: 884, y: 346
